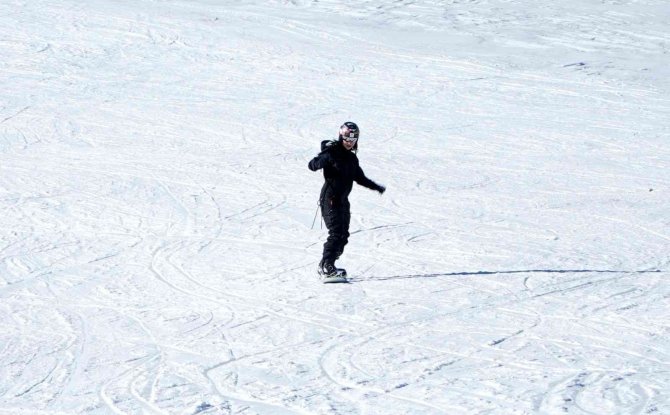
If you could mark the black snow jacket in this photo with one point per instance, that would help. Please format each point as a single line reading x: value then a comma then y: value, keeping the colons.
x: 340, y: 169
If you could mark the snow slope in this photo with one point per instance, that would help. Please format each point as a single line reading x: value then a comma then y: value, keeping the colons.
x: 156, y: 255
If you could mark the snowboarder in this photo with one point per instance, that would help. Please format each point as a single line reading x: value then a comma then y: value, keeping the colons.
x: 340, y: 169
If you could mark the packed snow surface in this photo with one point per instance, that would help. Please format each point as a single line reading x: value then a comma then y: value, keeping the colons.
x: 157, y: 254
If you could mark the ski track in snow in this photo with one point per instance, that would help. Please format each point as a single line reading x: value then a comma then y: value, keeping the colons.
x: 156, y: 255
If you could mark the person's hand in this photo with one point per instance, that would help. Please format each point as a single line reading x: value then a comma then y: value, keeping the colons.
x: 381, y: 189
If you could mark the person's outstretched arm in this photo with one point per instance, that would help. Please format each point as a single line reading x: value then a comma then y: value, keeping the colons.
x: 361, y: 179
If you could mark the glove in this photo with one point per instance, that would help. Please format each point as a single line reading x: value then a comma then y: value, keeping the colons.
x: 381, y: 189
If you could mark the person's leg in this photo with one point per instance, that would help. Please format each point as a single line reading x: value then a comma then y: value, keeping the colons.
x: 345, y: 220
x: 337, y: 225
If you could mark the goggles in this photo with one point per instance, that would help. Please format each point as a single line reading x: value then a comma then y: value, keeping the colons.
x: 351, y: 139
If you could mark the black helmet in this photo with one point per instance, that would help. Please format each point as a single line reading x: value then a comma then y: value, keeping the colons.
x: 349, y: 131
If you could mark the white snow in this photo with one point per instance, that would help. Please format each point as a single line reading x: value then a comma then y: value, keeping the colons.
x: 156, y: 255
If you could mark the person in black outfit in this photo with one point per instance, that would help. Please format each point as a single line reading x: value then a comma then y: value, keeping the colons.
x: 340, y: 169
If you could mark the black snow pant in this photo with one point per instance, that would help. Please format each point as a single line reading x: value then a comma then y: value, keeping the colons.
x: 337, y: 217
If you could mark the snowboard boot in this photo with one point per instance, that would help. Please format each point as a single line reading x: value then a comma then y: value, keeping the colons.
x: 327, y: 269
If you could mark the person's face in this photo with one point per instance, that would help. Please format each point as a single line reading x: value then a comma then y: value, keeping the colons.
x: 348, y: 144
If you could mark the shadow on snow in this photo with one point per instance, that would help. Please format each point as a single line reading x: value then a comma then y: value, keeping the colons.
x: 528, y: 271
